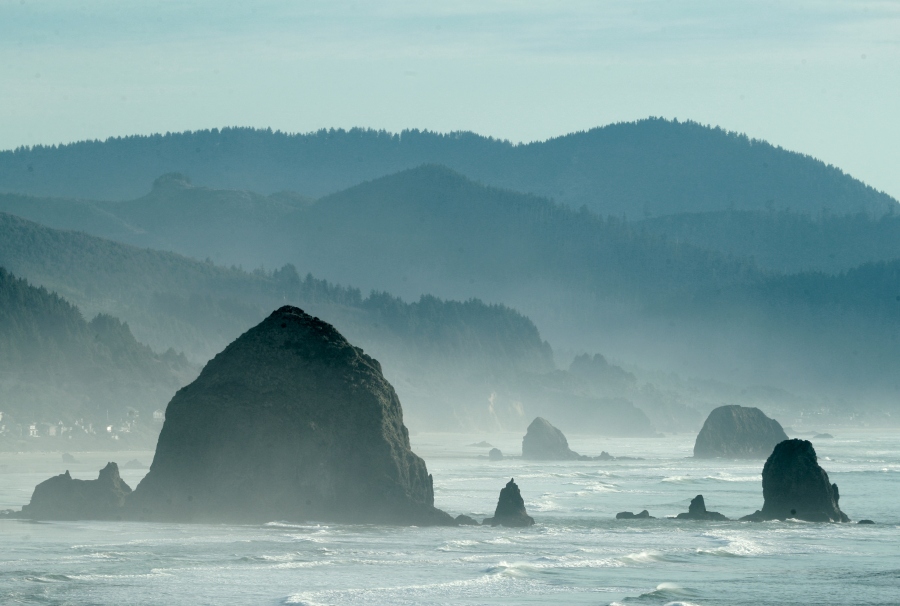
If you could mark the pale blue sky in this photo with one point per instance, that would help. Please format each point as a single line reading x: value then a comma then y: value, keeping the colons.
x: 820, y: 77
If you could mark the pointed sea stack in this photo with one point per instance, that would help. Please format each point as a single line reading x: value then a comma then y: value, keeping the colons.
x: 795, y: 486
x: 738, y: 432
x: 65, y: 498
x: 510, y: 509
x: 697, y: 511
x: 289, y: 422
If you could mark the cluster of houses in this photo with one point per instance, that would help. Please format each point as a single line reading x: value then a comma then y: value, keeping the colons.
x: 12, y: 429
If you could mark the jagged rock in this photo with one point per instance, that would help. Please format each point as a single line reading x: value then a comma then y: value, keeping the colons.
x: 627, y: 515
x: 510, y: 509
x: 65, y: 498
x: 697, y: 511
x: 464, y: 520
x: 738, y: 432
x: 544, y: 442
x: 289, y: 422
x: 605, y: 456
x: 795, y: 486
x: 865, y: 522
x: 482, y: 444
x: 495, y: 454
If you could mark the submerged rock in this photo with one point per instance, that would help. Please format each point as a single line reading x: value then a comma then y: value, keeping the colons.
x: 627, y: 515
x: 65, y: 498
x: 134, y: 464
x: 510, y: 508
x: 738, y: 432
x: 865, y: 522
x: 544, y: 442
x: 495, y: 454
x: 68, y: 458
x: 482, y: 444
x: 697, y: 511
x: 289, y: 422
x: 795, y: 486
x: 823, y: 436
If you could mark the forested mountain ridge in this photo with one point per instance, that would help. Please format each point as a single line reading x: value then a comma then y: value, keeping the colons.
x: 647, y: 168
x: 58, y: 367
x: 786, y: 242
x: 455, y: 364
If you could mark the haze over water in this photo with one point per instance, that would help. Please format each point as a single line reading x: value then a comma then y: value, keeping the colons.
x: 577, y: 553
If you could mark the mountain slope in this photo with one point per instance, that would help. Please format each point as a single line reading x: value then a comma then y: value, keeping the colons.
x: 650, y: 167
x: 58, y: 367
x: 455, y: 364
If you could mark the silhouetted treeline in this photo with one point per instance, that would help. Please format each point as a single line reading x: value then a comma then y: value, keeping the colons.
x: 647, y: 168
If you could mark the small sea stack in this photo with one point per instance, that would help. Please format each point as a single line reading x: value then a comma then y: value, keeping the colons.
x: 628, y: 515
x: 738, y: 432
x: 544, y: 442
x: 697, y: 511
x: 795, y: 486
x: 510, y: 508
x: 64, y: 498
x: 495, y: 454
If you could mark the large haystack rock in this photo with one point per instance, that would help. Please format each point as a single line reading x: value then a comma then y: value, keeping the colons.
x: 544, y: 442
x: 738, y: 432
x: 289, y: 422
x: 510, y: 508
x: 795, y: 486
x: 65, y: 498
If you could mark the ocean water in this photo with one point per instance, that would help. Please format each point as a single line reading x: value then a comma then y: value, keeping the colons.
x: 577, y: 553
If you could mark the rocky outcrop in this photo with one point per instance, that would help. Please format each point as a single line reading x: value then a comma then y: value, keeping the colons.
x: 64, y: 498
x: 464, y: 520
x: 544, y: 442
x: 510, y: 509
x: 289, y: 422
x: 697, y: 511
x: 795, y: 486
x: 627, y: 515
x: 738, y: 432
x: 495, y: 454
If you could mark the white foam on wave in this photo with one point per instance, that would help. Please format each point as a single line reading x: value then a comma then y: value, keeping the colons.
x: 642, y: 557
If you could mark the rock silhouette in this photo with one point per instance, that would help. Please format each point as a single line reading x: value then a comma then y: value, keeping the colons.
x: 495, y: 454
x: 738, y: 432
x: 510, y: 508
x: 289, y: 422
x: 544, y: 442
x: 627, y: 515
x: 795, y: 486
x: 65, y: 498
x: 697, y: 511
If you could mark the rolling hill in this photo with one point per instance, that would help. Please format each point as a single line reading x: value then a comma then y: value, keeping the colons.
x: 647, y: 168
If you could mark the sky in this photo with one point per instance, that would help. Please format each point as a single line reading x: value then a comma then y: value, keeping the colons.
x: 821, y: 78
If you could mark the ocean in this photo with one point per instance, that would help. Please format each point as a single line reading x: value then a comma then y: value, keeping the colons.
x: 577, y: 553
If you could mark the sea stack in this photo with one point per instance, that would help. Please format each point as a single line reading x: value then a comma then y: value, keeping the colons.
x: 795, y: 486
x: 697, y: 511
x: 289, y: 422
x: 738, y: 432
x: 64, y: 498
x: 510, y: 508
x: 544, y: 442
